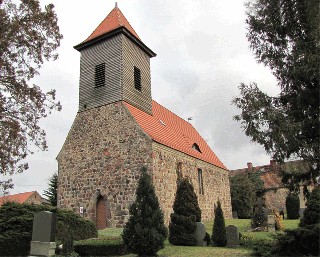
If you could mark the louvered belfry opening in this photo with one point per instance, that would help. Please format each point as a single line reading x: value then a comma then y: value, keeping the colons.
x: 137, y: 78
x: 100, y: 75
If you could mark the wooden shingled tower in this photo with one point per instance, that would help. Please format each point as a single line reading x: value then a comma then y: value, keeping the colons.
x: 114, y: 65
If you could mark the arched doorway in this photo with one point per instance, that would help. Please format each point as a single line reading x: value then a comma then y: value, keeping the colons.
x: 103, y: 214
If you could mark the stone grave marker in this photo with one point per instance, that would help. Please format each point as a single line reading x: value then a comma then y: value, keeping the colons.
x: 200, y: 234
x: 232, y: 236
x: 234, y: 214
x: 43, y: 234
x: 271, y: 223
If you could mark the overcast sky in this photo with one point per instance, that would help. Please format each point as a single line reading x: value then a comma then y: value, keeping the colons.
x: 202, y: 57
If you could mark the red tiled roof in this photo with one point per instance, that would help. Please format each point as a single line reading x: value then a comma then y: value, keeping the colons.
x: 168, y: 129
x: 115, y: 19
x: 18, y: 198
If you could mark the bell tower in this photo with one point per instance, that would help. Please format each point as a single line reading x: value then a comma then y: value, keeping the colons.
x: 114, y: 66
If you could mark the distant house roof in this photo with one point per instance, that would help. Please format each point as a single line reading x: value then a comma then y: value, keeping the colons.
x: 270, y: 173
x: 166, y: 128
x: 20, y: 198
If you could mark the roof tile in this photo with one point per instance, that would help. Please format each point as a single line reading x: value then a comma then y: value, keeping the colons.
x: 168, y: 129
x: 115, y: 19
x: 18, y: 198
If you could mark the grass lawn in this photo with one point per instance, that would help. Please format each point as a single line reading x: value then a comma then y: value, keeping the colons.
x: 185, y: 251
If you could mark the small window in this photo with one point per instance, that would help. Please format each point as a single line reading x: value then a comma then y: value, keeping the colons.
x: 196, y: 147
x: 200, y: 182
x: 137, y: 78
x: 179, y: 170
x: 100, y: 75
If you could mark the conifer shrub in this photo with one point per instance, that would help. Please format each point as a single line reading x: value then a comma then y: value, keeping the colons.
x: 243, y: 195
x: 145, y: 232
x: 311, y: 215
x: 219, y: 234
x: 186, y: 212
x: 303, y: 241
x: 292, y: 206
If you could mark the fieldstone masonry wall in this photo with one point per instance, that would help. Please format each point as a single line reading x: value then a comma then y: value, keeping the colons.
x: 103, y: 151
x: 215, y: 181
x: 102, y: 157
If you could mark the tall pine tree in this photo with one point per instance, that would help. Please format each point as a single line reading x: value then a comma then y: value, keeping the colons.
x: 145, y: 232
x: 186, y: 213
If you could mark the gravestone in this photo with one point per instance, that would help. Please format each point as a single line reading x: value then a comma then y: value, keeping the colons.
x: 232, y: 236
x: 271, y: 223
x: 43, y: 234
x: 200, y: 234
x: 234, y: 214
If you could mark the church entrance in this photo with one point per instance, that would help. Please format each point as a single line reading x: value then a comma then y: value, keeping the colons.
x: 103, y: 213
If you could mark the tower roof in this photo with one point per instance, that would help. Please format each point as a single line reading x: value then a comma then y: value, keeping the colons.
x: 114, y: 24
x: 115, y: 19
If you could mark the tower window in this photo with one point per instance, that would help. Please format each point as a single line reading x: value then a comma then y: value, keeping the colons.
x: 137, y: 78
x: 200, y: 182
x: 100, y: 75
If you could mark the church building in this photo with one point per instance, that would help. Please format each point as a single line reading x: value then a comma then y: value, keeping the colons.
x: 119, y: 129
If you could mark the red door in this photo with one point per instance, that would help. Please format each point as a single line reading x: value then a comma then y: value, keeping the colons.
x: 101, y: 214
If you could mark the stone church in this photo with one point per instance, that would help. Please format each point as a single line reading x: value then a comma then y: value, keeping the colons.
x: 119, y: 129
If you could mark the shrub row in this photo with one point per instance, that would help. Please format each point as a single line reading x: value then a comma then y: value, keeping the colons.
x: 100, y: 247
x: 16, y: 222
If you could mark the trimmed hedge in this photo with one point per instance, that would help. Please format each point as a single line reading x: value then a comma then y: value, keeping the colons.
x: 16, y: 222
x: 100, y: 247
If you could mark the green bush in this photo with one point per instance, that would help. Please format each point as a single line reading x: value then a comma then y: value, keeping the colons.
x: 298, y: 242
x: 259, y: 218
x: 219, y: 234
x: 186, y: 213
x: 79, y: 227
x: 145, y: 232
x: 207, y: 239
x: 16, y: 222
x: 292, y: 206
x: 243, y: 195
x: 311, y: 214
x: 100, y: 247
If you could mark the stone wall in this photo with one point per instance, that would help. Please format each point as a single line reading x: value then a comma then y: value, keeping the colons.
x: 215, y: 181
x: 276, y: 198
x: 102, y: 156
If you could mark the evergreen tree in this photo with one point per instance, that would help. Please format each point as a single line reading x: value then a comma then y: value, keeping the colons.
x: 293, y: 206
x: 51, y: 192
x: 145, y: 232
x: 311, y: 215
x: 284, y: 36
x: 219, y: 234
x: 186, y: 212
x: 242, y: 195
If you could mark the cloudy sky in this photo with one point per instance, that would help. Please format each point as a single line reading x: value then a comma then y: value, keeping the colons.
x: 202, y: 57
